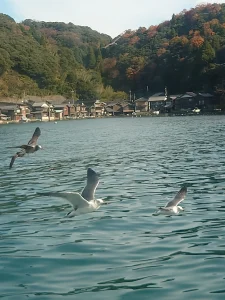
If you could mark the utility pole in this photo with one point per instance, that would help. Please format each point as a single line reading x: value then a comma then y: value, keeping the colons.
x: 130, y: 95
x: 49, y: 113
x: 72, y: 96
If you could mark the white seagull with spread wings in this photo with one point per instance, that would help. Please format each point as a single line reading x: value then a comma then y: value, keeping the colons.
x: 172, y: 207
x: 84, y: 202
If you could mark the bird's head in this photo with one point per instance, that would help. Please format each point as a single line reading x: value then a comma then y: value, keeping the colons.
x: 38, y: 147
x: 180, y: 208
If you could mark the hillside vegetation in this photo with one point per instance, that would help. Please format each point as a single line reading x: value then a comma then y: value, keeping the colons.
x: 184, y: 54
x: 45, y: 58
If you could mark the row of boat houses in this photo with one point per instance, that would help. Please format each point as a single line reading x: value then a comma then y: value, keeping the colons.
x: 49, y: 110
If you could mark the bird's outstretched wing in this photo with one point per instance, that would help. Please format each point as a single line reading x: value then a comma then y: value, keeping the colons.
x: 178, y: 198
x: 88, y: 192
x: 33, y: 140
x: 18, y: 154
x: 74, y: 198
x: 25, y: 147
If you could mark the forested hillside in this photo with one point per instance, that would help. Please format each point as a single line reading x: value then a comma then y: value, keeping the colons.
x: 186, y: 53
x: 41, y: 58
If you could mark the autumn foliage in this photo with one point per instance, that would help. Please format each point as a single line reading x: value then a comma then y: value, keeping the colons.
x: 186, y: 52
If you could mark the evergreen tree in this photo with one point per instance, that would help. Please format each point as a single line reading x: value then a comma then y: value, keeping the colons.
x: 91, y: 58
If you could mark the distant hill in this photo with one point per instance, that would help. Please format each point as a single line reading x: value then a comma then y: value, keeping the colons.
x: 49, y: 58
x: 42, y: 58
x: 185, y: 53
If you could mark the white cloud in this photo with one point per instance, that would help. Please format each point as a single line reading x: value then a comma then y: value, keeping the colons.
x: 106, y: 16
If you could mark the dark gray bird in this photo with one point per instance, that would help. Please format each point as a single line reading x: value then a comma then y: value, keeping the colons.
x: 31, y: 147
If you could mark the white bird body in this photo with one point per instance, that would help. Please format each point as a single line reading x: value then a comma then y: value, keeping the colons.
x: 170, y: 210
x: 80, y: 205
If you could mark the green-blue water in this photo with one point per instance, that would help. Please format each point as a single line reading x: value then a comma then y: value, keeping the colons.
x: 121, y: 251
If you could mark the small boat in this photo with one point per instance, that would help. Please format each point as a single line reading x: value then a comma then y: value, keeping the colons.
x: 196, y: 110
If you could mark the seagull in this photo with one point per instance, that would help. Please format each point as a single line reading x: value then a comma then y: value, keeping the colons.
x: 172, y: 207
x: 31, y: 147
x: 84, y: 202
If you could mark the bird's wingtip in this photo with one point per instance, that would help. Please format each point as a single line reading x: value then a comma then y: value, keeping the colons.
x: 91, y: 172
x: 183, y: 189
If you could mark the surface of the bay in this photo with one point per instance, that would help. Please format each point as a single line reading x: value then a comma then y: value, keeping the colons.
x: 121, y: 251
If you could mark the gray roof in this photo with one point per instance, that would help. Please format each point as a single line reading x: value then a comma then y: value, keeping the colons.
x: 9, y: 107
x: 158, y: 94
x: 175, y: 96
x: 59, y: 105
x: 109, y: 109
x: 191, y: 94
x: 206, y: 95
x: 142, y: 99
x: 39, y: 104
x: 36, y: 112
x: 157, y: 98
x: 126, y: 104
x: 112, y: 103
x: 187, y: 95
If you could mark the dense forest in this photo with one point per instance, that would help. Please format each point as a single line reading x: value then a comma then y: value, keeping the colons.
x: 186, y: 53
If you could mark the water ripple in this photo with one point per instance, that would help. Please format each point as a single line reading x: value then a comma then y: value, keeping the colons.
x: 122, y: 251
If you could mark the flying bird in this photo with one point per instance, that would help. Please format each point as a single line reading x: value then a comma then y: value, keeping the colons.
x: 84, y: 202
x: 31, y: 147
x: 172, y: 207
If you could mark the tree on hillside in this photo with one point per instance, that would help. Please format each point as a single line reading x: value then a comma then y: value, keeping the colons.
x: 91, y: 59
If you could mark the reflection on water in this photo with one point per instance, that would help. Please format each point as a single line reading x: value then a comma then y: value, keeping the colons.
x: 120, y: 251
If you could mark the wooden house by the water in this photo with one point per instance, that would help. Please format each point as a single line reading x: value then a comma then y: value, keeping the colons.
x: 128, y: 108
x: 71, y: 111
x: 43, y: 111
x: 207, y: 101
x: 61, y: 111
x: 141, y: 105
x: 81, y: 109
x: 12, y: 112
x: 191, y: 101
x: 156, y: 102
x: 186, y: 101
x: 113, y: 108
x: 97, y: 109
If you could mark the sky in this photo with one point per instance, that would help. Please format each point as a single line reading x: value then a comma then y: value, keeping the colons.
x: 106, y: 16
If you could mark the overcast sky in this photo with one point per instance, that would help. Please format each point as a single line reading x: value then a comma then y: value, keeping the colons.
x: 106, y: 16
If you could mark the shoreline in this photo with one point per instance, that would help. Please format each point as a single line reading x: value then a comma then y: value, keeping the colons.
x: 3, y: 122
